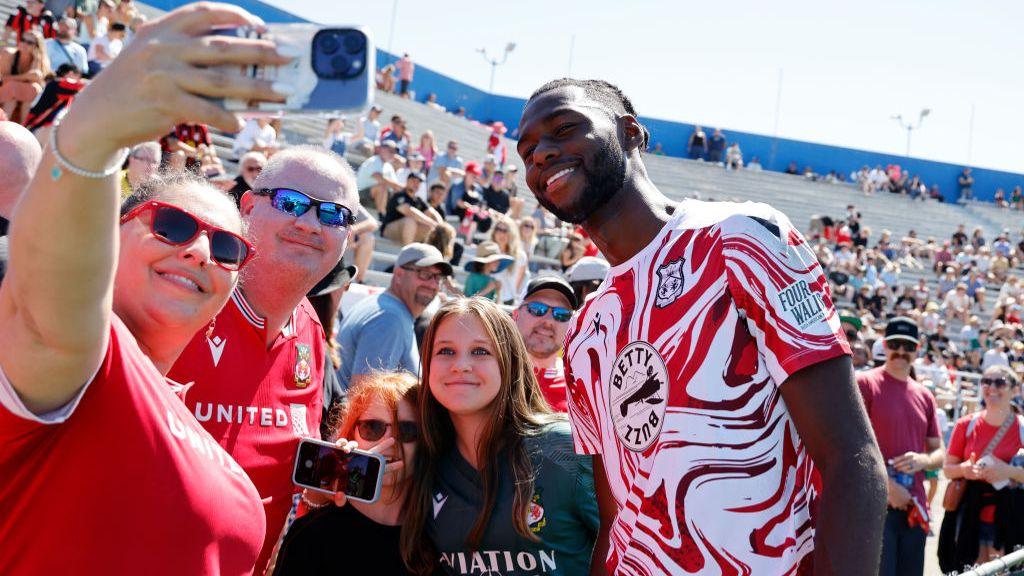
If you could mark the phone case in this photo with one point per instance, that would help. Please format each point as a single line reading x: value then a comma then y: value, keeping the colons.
x: 380, y: 475
x: 314, y: 91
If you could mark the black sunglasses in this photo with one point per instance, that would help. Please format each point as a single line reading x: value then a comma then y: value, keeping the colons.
x: 540, y: 310
x: 372, y: 430
x: 297, y: 203
x: 995, y: 382
x: 904, y: 345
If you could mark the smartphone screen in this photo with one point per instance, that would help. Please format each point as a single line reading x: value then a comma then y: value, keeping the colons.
x: 327, y: 468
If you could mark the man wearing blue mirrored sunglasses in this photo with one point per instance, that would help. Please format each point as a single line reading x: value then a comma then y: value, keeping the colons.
x: 260, y: 370
x: 542, y: 319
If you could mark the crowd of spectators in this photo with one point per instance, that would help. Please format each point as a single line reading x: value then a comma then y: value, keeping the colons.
x: 965, y: 329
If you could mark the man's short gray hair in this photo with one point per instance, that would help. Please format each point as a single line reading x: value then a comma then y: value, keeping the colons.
x: 314, y: 157
x: 153, y: 146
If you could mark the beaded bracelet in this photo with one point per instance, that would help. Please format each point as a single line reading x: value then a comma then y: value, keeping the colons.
x: 56, y: 173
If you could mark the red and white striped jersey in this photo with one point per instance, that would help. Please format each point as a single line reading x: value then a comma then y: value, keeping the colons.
x: 674, y: 367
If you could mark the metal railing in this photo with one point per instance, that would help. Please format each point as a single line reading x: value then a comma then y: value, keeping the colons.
x: 1010, y: 565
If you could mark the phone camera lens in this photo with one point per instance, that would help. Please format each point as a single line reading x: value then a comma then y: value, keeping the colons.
x: 354, y: 42
x: 309, y: 463
x: 329, y: 44
x: 340, y: 64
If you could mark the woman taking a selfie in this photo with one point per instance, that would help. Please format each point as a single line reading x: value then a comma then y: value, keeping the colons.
x: 104, y: 470
x: 984, y: 451
x: 355, y: 537
x: 499, y: 489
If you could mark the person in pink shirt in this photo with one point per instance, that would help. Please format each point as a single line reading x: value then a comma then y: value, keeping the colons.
x: 405, y: 71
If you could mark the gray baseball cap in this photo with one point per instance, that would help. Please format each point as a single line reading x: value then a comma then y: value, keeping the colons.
x: 424, y: 256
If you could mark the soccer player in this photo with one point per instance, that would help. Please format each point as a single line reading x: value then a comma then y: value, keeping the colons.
x: 259, y: 367
x: 708, y: 375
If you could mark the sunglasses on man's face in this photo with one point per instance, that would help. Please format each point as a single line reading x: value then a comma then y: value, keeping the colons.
x: 372, y: 430
x: 540, y: 310
x: 174, y: 226
x: 425, y: 274
x: 296, y: 204
x: 897, y: 345
x: 995, y: 382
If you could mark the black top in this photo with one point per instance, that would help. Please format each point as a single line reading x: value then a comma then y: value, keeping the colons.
x: 391, y: 214
x: 340, y: 541
x: 497, y: 199
x: 238, y: 190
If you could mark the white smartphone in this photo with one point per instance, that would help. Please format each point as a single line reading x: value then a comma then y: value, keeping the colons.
x: 334, y: 72
x: 324, y: 467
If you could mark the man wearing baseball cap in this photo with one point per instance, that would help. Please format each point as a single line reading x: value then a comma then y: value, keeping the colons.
x: 543, y: 319
x: 378, y: 333
x: 903, y: 416
x: 376, y: 178
x: 586, y: 275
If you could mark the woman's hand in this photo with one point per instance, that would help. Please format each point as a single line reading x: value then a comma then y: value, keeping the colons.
x: 166, y: 76
x: 994, y: 470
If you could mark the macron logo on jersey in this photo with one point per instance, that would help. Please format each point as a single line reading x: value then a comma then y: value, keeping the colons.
x: 439, y: 500
x: 216, y: 348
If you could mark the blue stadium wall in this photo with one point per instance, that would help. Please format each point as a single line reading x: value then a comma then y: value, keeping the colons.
x: 774, y: 153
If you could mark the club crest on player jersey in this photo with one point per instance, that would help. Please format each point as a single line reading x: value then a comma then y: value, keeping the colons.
x: 535, y: 517
x: 670, y: 283
x: 303, y: 371
x: 638, y: 395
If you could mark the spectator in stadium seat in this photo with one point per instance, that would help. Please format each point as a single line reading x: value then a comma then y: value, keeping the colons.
x: 505, y: 233
x: 57, y: 95
x: 1017, y: 198
x: 249, y: 168
x: 586, y: 275
x: 734, y: 157
x: 528, y: 236
x: 574, y: 250
x: 362, y: 242
x: 377, y: 179
x: 31, y: 16
x: 697, y: 145
x: 143, y: 163
x: 396, y: 133
x: 408, y: 218
x: 792, y: 168
x: 436, y: 198
x: 716, y: 146
x: 62, y: 49
x: 957, y: 303
x: 368, y: 131
x: 465, y: 192
x: 432, y: 102
x: 657, y: 150
x: 386, y: 79
x: 257, y: 136
x: 447, y: 166
x: 406, y: 69
x: 24, y: 69
x: 188, y: 138
x: 543, y: 319
x: 377, y: 334
x: 427, y: 149
x: 496, y: 194
x: 104, y: 49
x: 966, y: 183
x: 414, y: 165
x: 754, y: 165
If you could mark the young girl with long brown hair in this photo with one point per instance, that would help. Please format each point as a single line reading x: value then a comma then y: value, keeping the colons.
x: 499, y: 489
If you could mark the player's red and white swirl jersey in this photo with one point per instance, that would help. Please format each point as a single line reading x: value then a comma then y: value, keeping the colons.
x: 674, y: 370
x: 122, y: 480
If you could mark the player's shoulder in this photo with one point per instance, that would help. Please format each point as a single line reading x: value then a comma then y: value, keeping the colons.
x: 746, y: 218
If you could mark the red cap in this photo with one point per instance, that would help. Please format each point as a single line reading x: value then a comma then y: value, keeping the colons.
x: 499, y: 127
x: 473, y: 168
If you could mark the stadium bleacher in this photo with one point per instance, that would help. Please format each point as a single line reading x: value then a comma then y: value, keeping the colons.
x: 799, y: 198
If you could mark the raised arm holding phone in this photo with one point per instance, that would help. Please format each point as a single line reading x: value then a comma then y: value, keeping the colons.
x: 96, y: 449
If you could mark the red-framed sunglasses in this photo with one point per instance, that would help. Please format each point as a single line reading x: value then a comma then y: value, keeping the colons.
x: 176, y: 227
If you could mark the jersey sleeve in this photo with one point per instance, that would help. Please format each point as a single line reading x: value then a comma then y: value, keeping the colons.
x: 586, y: 437
x: 779, y: 287
x: 958, y: 440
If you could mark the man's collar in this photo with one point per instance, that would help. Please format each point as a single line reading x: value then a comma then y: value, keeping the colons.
x: 259, y: 322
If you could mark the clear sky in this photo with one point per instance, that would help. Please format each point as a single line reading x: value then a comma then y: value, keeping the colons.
x: 847, y: 66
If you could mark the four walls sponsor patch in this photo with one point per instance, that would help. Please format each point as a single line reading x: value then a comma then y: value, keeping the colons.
x: 803, y: 305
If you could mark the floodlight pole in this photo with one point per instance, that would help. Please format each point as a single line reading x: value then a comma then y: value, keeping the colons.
x: 494, y: 62
x: 911, y: 126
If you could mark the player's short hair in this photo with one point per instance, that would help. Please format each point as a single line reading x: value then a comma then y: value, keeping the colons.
x: 608, y: 94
